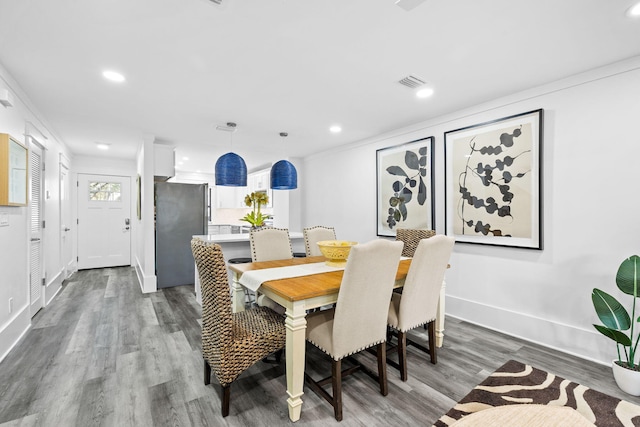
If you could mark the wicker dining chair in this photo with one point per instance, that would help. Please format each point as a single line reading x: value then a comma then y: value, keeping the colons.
x: 411, y: 237
x: 356, y: 323
x: 418, y: 303
x: 313, y: 235
x: 231, y: 342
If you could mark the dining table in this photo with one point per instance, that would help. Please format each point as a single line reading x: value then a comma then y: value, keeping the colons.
x: 297, y: 295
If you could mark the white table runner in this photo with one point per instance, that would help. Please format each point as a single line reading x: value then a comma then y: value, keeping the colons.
x: 254, y: 278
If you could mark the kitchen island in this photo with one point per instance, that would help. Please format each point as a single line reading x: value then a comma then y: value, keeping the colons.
x: 237, y: 246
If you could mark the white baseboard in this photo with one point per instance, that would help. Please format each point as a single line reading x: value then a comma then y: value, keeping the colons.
x: 13, y: 331
x: 148, y: 283
x: 573, y: 340
x: 53, y: 287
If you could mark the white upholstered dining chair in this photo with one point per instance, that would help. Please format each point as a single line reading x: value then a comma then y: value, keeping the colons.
x: 418, y: 302
x: 268, y: 244
x: 356, y: 323
x: 313, y: 235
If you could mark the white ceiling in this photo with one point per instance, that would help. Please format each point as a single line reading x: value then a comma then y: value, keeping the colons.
x: 297, y: 66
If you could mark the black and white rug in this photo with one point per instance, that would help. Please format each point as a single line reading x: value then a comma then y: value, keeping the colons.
x: 517, y: 383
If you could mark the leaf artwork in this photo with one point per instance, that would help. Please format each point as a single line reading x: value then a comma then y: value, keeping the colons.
x: 494, y: 183
x: 409, y: 182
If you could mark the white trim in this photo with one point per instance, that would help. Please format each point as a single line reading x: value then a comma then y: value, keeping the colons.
x: 569, y: 339
x: 148, y: 283
x: 53, y: 287
x: 14, y: 330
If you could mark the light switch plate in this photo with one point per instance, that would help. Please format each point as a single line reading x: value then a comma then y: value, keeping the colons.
x: 4, y: 219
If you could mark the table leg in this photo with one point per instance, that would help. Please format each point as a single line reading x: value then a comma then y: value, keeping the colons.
x: 440, y: 316
x: 237, y: 294
x: 296, y: 325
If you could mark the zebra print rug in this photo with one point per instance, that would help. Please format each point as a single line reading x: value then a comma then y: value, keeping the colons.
x: 517, y: 383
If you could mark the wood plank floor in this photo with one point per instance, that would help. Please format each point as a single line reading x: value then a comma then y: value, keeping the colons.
x: 104, y: 354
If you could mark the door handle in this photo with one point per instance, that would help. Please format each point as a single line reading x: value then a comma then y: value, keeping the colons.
x: 67, y: 229
x: 126, y: 228
x: 35, y: 239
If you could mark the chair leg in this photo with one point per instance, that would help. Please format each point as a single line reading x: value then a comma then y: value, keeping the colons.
x: 402, y: 355
x: 279, y: 355
x: 226, y: 394
x: 382, y: 368
x: 207, y: 373
x: 432, y: 342
x: 336, y: 383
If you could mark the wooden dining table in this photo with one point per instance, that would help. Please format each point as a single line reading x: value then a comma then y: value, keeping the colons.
x: 299, y: 294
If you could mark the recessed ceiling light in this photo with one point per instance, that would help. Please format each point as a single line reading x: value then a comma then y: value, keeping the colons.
x: 185, y: 158
x: 424, y: 93
x: 634, y: 11
x: 335, y: 129
x: 102, y: 145
x: 114, y: 76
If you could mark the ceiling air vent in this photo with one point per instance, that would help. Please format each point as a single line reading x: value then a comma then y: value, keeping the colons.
x: 412, y: 81
x: 218, y: 2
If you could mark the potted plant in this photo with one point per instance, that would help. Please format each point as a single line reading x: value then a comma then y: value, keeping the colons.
x: 255, y: 200
x: 616, y: 320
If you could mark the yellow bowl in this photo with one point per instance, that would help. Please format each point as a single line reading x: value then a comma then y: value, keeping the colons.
x: 336, y: 251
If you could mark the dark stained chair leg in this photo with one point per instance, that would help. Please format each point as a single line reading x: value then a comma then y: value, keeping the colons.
x: 432, y: 342
x: 226, y: 393
x: 402, y: 355
x: 279, y: 355
x: 382, y: 368
x: 207, y: 373
x: 336, y: 383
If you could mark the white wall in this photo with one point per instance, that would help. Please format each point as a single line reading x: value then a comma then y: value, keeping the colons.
x: 590, y: 209
x: 14, y: 239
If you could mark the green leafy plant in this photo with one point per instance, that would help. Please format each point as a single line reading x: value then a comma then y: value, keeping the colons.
x: 615, y: 317
x: 255, y: 200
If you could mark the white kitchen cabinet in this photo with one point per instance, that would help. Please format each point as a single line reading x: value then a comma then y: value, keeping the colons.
x: 164, y: 161
x: 261, y: 181
x: 230, y: 197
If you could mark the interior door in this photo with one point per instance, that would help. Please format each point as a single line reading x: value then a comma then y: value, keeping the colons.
x: 104, y: 221
x: 36, y: 259
x: 65, y: 218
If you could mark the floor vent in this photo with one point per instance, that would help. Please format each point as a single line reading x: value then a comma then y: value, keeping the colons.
x: 412, y: 81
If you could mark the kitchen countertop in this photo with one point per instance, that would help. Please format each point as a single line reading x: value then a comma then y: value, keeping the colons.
x: 237, y: 237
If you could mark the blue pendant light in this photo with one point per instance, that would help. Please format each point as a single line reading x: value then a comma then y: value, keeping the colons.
x: 231, y: 170
x: 283, y: 174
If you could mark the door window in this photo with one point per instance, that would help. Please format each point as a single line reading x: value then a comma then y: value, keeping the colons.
x: 104, y: 191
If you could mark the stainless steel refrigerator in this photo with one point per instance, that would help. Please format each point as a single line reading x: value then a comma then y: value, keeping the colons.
x: 181, y: 212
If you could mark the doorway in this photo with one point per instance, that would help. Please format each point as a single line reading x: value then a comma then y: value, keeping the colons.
x: 36, y: 258
x: 104, y: 221
x: 66, y: 257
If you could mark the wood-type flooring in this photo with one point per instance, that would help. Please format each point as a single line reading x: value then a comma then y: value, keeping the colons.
x: 105, y: 354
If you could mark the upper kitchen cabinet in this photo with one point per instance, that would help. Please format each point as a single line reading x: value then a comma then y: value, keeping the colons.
x: 260, y: 182
x: 13, y: 172
x: 164, y: 162
x: 230, y: 197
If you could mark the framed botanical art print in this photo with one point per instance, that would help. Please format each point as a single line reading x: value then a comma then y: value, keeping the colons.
x: 494, y: 182
x: 405, y: 187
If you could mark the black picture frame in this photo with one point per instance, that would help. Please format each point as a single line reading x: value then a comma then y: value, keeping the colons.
x: 405, y: 187
x: 493, y: 182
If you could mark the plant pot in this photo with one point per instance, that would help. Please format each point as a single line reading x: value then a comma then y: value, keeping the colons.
x: 627, y: 379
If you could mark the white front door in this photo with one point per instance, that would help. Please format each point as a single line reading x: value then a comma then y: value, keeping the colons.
x: 36, y: 259
x: 104, y: 221
x: 65, y: 219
